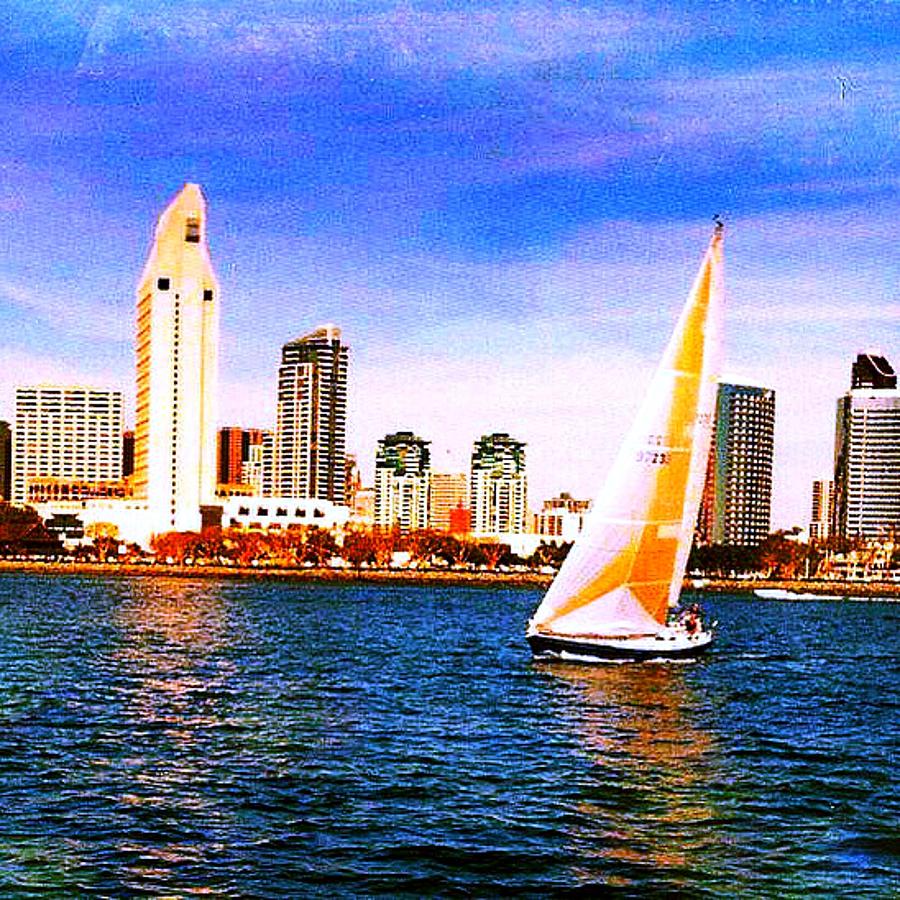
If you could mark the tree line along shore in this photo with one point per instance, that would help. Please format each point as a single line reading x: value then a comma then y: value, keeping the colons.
x: 377, y: 555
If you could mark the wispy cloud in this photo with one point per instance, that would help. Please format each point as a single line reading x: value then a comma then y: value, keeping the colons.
x: 401, y: 35
x: 775, y: 313
x: 68, y: 309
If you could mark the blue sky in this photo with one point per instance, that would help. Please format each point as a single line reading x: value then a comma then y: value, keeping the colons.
x: 502, y: 204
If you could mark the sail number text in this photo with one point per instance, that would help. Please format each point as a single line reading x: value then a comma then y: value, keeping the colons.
x: 654, y: 457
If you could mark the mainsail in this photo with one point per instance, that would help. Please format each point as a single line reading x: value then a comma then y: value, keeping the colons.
x: 626, y: 567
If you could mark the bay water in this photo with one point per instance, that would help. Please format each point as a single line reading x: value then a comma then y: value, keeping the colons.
x: 226, y: 738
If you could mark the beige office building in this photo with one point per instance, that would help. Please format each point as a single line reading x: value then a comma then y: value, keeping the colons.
x: 67, y: 439
x: 822, y: 509
x: 449, y: 492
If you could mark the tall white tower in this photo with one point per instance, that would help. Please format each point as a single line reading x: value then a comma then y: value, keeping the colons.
x: 177, y: 369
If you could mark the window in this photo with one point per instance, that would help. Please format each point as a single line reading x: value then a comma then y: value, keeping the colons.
x: 207, y: 294
x: 162, y: 284
x: 192, y: 230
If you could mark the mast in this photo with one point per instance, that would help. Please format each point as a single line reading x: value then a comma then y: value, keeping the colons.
x: 627, y: 565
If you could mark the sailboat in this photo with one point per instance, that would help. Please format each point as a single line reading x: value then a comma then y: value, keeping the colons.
x: 615, y: 595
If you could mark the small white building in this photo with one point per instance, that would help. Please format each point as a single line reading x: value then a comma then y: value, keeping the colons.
x: 276, y: 513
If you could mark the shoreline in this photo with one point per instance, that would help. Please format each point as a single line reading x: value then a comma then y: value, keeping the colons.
x: 441, y: 577
x: 324, y: 575
x: 822, y: 589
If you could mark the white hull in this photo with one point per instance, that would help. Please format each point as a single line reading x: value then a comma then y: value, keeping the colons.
x: 780, y: 594
x: 669, y: 644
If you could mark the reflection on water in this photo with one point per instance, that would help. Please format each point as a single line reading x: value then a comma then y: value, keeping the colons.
x: 645, y: 807
x: 173, y: 680
x: 172, y: 638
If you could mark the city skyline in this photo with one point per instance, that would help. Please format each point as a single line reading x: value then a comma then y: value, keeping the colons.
x: 508, y: 201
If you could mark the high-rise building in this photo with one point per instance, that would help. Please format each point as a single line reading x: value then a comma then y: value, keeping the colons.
x: 310, y: 433
x: 5, y: 461
x: 449, y: 492
x: 498, y: 487
x: 402, y: 469
x: 177, y: 369
x: 822, y: 509
x: 352, y: 480
x: 872, y: 371
x: 230, y: 453
x: 67, y: 443
x: 737, y: 498
x: 256, y: 470
x: 127, y: 454
x: 867, y: 452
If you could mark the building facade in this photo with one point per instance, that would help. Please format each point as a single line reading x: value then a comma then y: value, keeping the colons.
x: 5, y: 461
x: 561, y: 517
x: 127, y: 454
x: 67, y: 443
x: 256, y: 469
x: 177, y: 369
x: 254, y: 513
x: 402, y: 479
x: 310, y: 433
x: 822, y: 509
x: 498, y: 487
x: 230, y: 455
x: 867, y: 453
x: 449, y: 492
x: 737, y: 497
x: 234, y: 447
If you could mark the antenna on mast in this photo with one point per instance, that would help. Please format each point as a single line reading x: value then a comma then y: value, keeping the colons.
x: 720, y: 225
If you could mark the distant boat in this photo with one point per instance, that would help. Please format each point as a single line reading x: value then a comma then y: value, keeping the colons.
x: 781, y: 594
x: 615, y: 595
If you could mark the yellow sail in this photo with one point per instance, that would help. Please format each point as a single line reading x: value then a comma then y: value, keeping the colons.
x: 627, y: 565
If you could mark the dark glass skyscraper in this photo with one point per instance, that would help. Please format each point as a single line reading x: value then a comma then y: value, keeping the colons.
x: 737, y: 499
x: 310, y: 433
x: 5, y: 461
x: 873, y: 371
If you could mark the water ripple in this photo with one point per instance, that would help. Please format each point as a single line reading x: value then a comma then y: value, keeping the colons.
x: 172, y: 738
